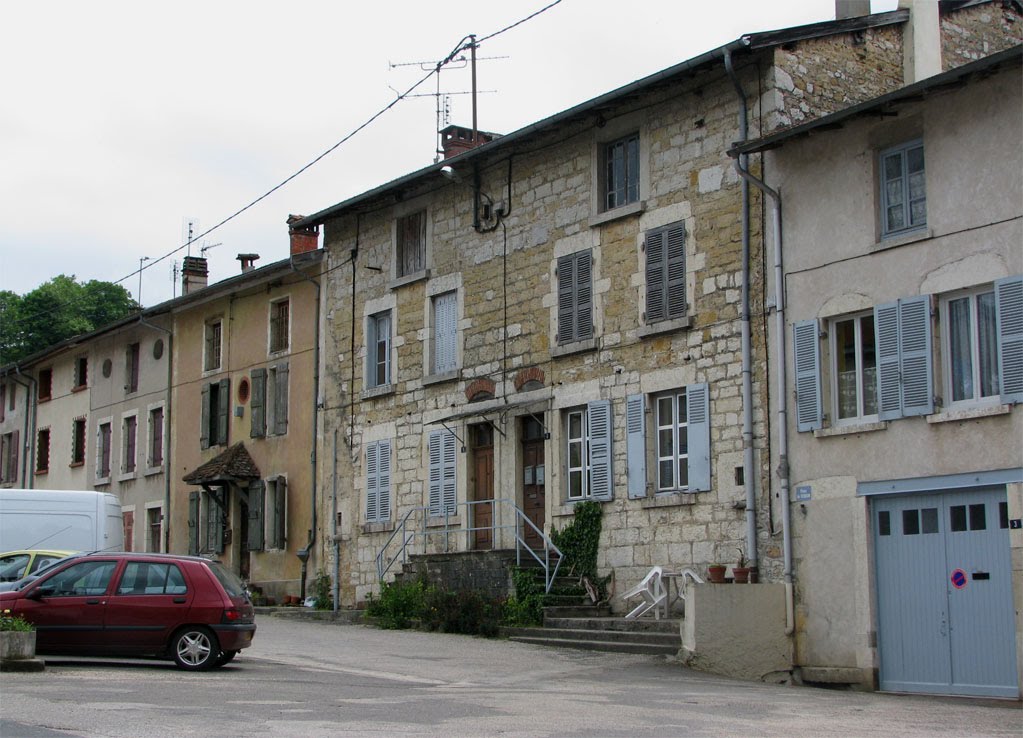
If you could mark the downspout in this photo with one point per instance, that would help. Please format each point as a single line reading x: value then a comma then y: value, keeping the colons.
x: 747, y: 352
x: 783, y: 423
x: 336, y: 589
x: 167, y: 446
x: 27, y: 461
x: 303, y: 554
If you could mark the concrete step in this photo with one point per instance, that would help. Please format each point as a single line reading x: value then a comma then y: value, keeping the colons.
x: 642, y: 625
x: 609, y: 636
x: 635, y: 647
x: 576, y: 610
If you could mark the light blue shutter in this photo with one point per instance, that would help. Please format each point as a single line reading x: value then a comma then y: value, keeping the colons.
x: 808, y: 375
x: 698, y: 412
x: 635, y: 433
x: 204, y: 418
x: 599, y: 430
x: 448, y: 478
x: 442, y: 472
x: 257, y: 419
x: 257, y: 493
x: 1009, y: 322
x: 281, y: 400
x: 384, y: 480
x: 915, y: 356
x: 655, y: 279
x: 886, y: 332
x: 445, y: 330
x: 372, y: 482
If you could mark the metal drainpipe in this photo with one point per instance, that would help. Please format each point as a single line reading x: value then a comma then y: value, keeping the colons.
x: 316, y: 417
x: 336, y: 589
x: 747, y: 352
x: 168, y: 467
x: 783, y: 423
x: 27, y: 461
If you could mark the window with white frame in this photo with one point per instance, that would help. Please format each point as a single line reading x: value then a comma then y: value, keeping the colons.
x: 212, y: 345
x: 854, y: 368
x: 206, y: 521
x: 129, y: 448
x: 104, y: 436
x: 280, y: 317
x: 378, y: 481
x: 154, y: 529
x: 903, y: 189
x: 410, y: 244
x: 672, y: 442
x: 588, y: 433
x: 970, y: 350
x: 215, y: 413
x: 378, y: 349
x: 445, y: 332
x: 679, y: 440
x: 620, y: 176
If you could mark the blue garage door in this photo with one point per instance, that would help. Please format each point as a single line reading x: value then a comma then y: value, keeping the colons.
x: 944, y: 593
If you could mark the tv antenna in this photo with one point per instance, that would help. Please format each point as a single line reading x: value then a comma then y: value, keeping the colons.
x: 174, y: 278
x: 208, y: 247
x: 189, y: 226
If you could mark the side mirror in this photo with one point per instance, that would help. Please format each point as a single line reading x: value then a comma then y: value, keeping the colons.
x: 37, y: 593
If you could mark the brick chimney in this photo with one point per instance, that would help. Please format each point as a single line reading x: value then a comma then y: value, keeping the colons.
x: 303, y: 240
x: 248, y: 261
x: 851, y: 8
x: 456, y: 139
x: 194, y: 274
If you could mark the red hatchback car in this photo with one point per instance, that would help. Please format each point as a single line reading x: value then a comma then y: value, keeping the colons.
x: 189, y: 609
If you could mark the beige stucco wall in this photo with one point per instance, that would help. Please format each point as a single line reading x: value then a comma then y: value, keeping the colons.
x: 66, y: 402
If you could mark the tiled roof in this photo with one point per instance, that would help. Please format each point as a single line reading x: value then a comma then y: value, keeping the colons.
x: 232, y: 465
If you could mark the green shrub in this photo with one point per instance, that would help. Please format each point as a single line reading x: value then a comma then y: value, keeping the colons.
x: 15, y: 623
x: 400, y: 604
x: 579, y: 540
x: 322, y: 591
x: 464, y: 611
x: 525, y: 607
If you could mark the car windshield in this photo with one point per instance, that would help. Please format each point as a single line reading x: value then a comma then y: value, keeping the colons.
x: 231, y: 583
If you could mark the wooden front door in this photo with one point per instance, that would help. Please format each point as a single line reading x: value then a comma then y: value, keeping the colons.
x: 483, y: 488
x: 534, y: 478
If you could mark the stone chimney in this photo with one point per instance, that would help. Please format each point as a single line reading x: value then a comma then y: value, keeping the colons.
x: 851, y: 8
x: 456, y: 139
x: 248, y: 261
x: 921, y: 41
x: 194, y: 275
x: 303, y: 240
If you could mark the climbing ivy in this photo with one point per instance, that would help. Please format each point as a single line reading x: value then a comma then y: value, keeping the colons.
x: 578, y: 541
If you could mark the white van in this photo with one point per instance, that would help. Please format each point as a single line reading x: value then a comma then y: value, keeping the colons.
x: 60, y: 519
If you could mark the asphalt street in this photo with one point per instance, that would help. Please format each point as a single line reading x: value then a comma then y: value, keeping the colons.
x: 322, y: 679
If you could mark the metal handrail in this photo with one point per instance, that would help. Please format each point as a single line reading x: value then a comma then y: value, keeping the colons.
x: 408, y: 533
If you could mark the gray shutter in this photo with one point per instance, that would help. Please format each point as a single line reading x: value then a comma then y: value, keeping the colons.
x: 204, y: 418
x: 223, y: 410
x: 655, y: 279
x: 583, y: 296
x: 448, y: 479
x: 16, y: 452
x: 886, y: 336
x: 258, y: 406
x: 635, y: 429
x: 257, y: 495
x: 436, y: 471
x: 445, y: 331
x: 676, y: 268
x: 384, y: 480
x: 915, y: 356
x: 698, y: 413
x: 808, y: 375
x: 281, y: 400
x: 1009, y: 327
x: 566, y: 299
x: 599, y: 427
x: 280, y: 531
x: 216, y: 528
x: 372, y: 482
x: 193, y: 523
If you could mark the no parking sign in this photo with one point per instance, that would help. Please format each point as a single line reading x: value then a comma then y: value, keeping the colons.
x: 958, y: 578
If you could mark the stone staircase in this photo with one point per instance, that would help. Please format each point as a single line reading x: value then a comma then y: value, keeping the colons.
x: 593, y: 628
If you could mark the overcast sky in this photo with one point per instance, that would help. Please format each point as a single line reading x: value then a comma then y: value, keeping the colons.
x: 122, y: 120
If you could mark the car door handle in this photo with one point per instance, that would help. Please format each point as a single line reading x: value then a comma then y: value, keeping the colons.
x: 180, y: 600
x: 93, y: 602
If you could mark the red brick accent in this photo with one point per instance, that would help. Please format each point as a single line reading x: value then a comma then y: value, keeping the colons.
x: 533, y: 373
x: 303, y: 240
x: 478, y: 386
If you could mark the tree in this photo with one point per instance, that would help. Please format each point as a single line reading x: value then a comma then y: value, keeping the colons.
x: 55, y: 311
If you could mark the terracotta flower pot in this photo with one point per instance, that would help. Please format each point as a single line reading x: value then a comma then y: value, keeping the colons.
x: 741, y: 574
x: 716, y: 574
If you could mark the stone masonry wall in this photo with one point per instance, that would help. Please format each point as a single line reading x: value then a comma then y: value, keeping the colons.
x: 973, y: 33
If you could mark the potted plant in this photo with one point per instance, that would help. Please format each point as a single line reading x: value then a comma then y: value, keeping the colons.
x: 17, y: 638
x: 716, y: 573
x: 741, y: 572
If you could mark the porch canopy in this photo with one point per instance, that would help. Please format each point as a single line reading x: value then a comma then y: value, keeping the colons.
x: 233, y: 466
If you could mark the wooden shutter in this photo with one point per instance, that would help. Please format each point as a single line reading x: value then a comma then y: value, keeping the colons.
x: 698, y: 413
x: 223, y: 410
x: 886, y: 330
x: 257, y: 495
x: 281, y: 400
x: 666, y: 273
x: 635, y: 431
x: 258, y: 404
x: 15, y: 454
x: 584, y: 296
x: 436, y: 471
x: 442, y: 472
x: 215, y: 524
x: 372, y: 482
x: 193, y: 523
x: 1009, y: 327
x: 204, y: 419
x: 566, y: 299
x: 280, y: 529
x: 915, y: 356
x: 445, y: 330
x: 808, y: 376
x: 676, y: 269
x: 599, y: 430
x: 656, y: 299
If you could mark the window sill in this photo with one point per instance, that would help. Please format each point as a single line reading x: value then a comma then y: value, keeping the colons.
x: 41, y: 472
x: 126, y: 476
x: 151, y: 470
x: 969, y: 413
x: 669, y: 499
x: 665, y: 326
x: 371, y: 392
x: 624, y: 211
x: 440, y: 521
x: 851, y: 430
x: 80, y: 388
x: 280, y: 353
x: 76, y: 464
x: 101, y: 481
x: 894, y: 241
x: 567, y: 507
x: 384, y: 527
x: 45, y: 399
x: 451, y: 376
x: 576, y: 347
x: 409, y: 279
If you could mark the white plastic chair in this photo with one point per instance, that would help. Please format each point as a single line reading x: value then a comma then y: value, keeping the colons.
x: 652, y: 593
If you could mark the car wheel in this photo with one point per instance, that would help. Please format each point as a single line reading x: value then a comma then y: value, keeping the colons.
x: 195, y: 648
x: 225, y: 657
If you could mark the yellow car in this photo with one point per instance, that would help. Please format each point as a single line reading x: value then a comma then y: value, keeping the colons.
x: 16, y: 564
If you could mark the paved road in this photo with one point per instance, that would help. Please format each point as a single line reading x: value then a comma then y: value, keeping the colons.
x: 313, y: 679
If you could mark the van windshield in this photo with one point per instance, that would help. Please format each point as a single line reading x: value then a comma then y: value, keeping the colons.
x: 231, y: 583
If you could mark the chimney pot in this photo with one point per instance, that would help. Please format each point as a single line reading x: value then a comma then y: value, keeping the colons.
x: 248, y: 261
x: 303, y: 239
x: 194, y: 274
